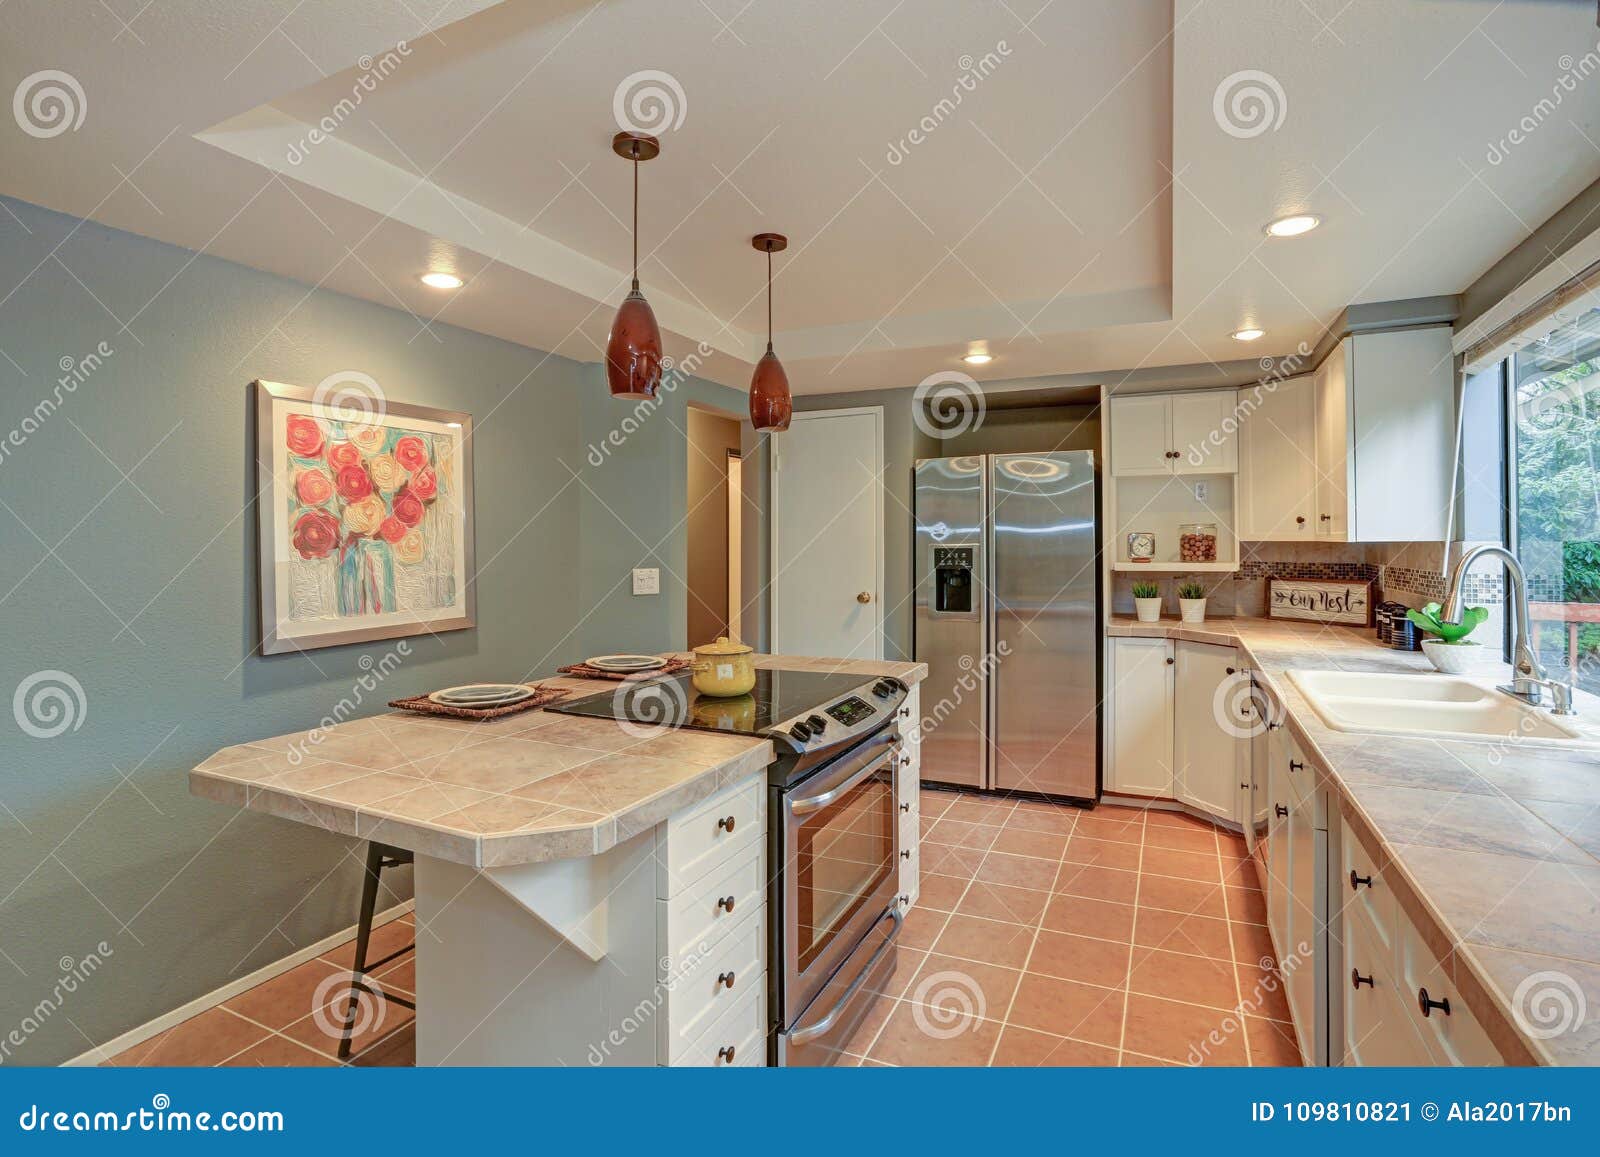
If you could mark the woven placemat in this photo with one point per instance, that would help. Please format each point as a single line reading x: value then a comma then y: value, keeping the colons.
x: 584, y: 671
x: 422, y: 705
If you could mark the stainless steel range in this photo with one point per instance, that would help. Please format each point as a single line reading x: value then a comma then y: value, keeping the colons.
x: 833, y: 847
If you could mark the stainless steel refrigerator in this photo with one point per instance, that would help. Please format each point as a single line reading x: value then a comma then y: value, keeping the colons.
x: 1008, y: 621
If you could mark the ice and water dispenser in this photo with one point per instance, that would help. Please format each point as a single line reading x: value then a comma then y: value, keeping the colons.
x: 954, y: 584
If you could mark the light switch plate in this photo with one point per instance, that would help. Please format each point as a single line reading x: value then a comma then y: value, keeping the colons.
x: 1200, y: 491
x: 646, y: 580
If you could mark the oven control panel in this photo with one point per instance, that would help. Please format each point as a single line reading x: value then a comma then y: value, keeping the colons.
x: 851, y: 711
x: 842, y: 720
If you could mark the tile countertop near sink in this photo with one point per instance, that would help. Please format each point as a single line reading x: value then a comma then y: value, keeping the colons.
x: 1496, y: 841
x: 520, y: 789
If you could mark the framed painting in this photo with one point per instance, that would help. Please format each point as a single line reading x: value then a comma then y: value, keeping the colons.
x: 365, y: 520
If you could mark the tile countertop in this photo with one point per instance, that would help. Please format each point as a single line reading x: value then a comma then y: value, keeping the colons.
x: 515, y: 790
x: 1495, y: 843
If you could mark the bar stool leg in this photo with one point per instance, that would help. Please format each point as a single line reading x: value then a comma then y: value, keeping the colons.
x: 369, y: 903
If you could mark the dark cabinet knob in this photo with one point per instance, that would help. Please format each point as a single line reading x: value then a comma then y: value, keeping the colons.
x: 1357, y: 980
x: 725, y: 979
x: 1356, y: 881
x: 1230, y: 670
x: 1280, y: 809
x: 1170, y: 660
x: 1427, y: 1004
x: 726, y: 823
x: 905, y: 854
x: 726, y: 903
x: 1326, y: 517
x: 905, y: 713
x: 1300, y: 520
x: 725, y: 1053
x: 905, y: 807
x: 905, y: 897
x: 1296, y: 765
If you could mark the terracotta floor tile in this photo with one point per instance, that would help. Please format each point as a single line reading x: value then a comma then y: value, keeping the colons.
x: 1193, y: 979
x: 207, y: 1039
x: 922, y: 927
x: 860, y: 1042
x: 1018, y: 871
x: 1182, y: 896
x: 1182, y: 821
x: 912, y: 1036
x: 1003, y: 902
x: 1125, y: 813
x: 401, y: 976
x: 1177, y: 932
x: 952, y: 986
x: 320, y: 1031
x: 1251, y: 942
x: 1248, y: 905
x: 1104, y: 853
x: 386, y: 939
x: 948, y: 861
x: 1043, y: 845
x: 933, y: 803
x: 907, y: 963
x: 284, y: 999
x: 988, y: 941
x: 279, y: 1052
x: 1240, y: 873
x: 398, y: 1050
x: 1179, y: 839
x: 1261, y: 993
x: 1025, y: 1048
x: 1102, y: 962
x: 1271, y: 1043
x: 1038, y: 817
x: 1097, y: 827
x: 978, y: 810
x: 962, y: 834
x: 940, y: 892
x: 1067, y: 1008
x: 1099, y: 883
x: 1183, y: 1032
x: 1083, y: 916
x: 1200, y: 866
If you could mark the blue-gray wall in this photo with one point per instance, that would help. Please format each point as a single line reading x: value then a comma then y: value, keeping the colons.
x: 143, y: 590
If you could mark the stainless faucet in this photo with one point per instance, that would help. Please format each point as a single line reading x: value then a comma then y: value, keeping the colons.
x: 1528, y: 676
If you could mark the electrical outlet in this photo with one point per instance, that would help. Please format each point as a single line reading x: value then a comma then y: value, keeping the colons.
x: 646, y: 580
x: 1200, y: 491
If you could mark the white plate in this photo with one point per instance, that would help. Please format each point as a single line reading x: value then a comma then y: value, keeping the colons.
x: 626, y: 662
x: 481, y: 695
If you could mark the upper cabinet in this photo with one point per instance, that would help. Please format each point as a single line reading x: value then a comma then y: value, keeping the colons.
x: 1190, y: 433
x: 1360, y: 451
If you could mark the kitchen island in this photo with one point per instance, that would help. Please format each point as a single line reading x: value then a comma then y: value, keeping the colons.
x: 587, y: 891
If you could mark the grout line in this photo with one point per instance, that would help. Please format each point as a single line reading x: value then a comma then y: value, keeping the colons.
x: 1127, y: 983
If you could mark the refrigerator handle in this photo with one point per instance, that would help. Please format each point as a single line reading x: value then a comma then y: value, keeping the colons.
x: 989, y: 669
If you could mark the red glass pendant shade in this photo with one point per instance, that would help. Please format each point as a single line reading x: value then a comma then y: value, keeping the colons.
x: 633, y: 352
x: 770, y: 402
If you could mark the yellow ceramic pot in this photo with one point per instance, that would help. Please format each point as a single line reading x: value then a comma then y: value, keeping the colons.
x: 724, y: 668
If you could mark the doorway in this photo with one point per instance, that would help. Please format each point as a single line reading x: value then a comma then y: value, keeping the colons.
x: 714, y: 497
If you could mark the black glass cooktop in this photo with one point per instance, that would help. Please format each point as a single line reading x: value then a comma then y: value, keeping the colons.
x: 673, y: 702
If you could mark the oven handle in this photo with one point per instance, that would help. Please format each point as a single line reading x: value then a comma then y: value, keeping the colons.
x: 804, y: 807
x: 800, y: 1036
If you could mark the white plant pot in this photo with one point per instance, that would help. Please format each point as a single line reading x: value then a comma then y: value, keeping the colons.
x: 1458, y: 658
x: 1148, y: 610
x: 1192, y: 610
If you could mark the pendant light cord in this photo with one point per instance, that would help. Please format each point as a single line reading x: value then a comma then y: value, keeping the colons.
x: 769, y: 299
x: 636, y: 218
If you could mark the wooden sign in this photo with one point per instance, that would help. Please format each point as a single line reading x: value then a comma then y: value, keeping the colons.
x: 1347, y: 602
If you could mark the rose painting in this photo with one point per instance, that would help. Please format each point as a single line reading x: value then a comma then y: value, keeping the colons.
x: 366, y: 520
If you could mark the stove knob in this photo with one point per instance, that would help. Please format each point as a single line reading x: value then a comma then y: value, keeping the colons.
x: 818, y: 723
x: 800, y: 732
x: 880, y: 690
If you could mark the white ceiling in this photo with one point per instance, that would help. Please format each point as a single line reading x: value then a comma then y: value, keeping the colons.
x: 1081, y: 208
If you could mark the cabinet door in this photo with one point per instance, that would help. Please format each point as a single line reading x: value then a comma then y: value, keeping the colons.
x: 1280, y: 805
x: 1204, y: 745
x: 1277, y: 495
x: 1141, y: 717
x: 1333, y: 445
x: 1305, y: 933
x: 1141, y: 435
x: 1402, y: 436
x: 1204, y: 434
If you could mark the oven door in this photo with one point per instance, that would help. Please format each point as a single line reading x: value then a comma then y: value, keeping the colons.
x: 841, y: 862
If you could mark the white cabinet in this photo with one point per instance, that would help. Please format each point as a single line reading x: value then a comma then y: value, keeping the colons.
x: 1277, y: 497
x: 1139, y: 727
x: 1205, y: 744
x: 1297, y: 893
x: 909, y: 801
x: 1189, y: 433
x: 1332, y: 441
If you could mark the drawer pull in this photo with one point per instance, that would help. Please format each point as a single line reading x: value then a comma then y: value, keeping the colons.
x: 725, y: 1053
x: 1299, y: 520
x: 725, y: 979
x: 1427, y: 1004
x: 905, y: 854
x: 1356, y: 881
x: 1357, y: 980
x: 725, y: 824
x: 905, y: 898
x: 1280, y: 809
x: 1170, y: 660
x: 905, y: 807
x: 1229, y: 670
x: 905, y: 713
x: 726, y: 903
x: 1296, y: 765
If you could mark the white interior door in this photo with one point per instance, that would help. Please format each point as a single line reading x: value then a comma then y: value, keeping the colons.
x: 827, y: 534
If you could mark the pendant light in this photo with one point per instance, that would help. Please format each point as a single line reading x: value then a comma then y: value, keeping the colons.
x: 770, y: 405
x: 633, y: 351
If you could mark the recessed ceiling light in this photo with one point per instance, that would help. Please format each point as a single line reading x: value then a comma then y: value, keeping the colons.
x: 1247, y: 334
x: 977, y: 359
x: 441, y: 280
x: 1293, y: 226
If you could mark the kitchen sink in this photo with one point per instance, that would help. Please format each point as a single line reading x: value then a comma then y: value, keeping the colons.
x: 1424, y: 704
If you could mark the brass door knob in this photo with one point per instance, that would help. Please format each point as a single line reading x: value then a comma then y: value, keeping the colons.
x: 864, y: 597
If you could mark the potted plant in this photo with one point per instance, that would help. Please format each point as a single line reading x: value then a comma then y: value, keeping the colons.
x: 1449, y: 650
x: 1147, y: 602
x: 1192, y: 602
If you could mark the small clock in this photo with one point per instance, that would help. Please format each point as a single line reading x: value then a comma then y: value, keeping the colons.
x: 1141, y: 546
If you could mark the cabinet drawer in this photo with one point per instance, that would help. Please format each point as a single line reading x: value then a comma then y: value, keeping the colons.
x: 711, y: 831
x: 1377, y: 1028
x: 1363, y: 892
x: 698, y: 993
x: 697, y: 918
x: 737, y: 1039
x: 1454, y: 1037
x: 911, y: 864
